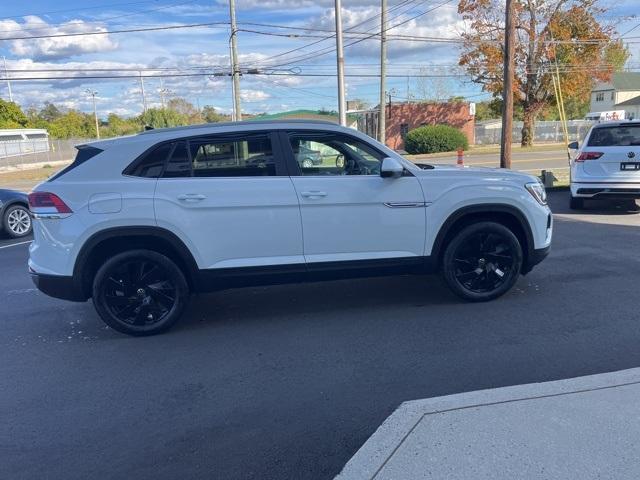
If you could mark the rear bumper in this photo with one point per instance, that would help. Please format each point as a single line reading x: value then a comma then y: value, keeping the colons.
x: 59, y: 286
x: 605, y: 189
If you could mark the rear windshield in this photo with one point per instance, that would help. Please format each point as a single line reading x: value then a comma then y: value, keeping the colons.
x: 620, y: 136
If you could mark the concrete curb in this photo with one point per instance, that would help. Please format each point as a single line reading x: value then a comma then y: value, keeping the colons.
x: 386, y: 440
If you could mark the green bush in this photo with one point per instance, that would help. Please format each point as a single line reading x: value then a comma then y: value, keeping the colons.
x: 435, y: 138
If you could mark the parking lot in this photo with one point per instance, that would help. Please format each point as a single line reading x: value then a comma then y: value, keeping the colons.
x: 289, y: 381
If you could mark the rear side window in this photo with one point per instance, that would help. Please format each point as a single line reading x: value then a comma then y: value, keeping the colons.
x: 246, y: 156
x: 619, y: 136
x: 151, y: 165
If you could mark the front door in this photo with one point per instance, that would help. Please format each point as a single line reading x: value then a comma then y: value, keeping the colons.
x: 349, y: 212
x: 229, y: 197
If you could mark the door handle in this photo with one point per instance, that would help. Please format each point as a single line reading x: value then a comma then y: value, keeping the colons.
x: 313, y: 193
x: 191, y: 197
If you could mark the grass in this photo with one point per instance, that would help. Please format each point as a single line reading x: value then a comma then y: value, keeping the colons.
x: 26, y: 179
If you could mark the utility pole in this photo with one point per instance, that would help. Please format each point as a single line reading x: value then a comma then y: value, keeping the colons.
x: 93, y: 94
x: 144, y: 99
x: 6, y: 75
x: 507, y: 91
x: 235, y: 72
x: 383, y: 72
x: 342, y: 105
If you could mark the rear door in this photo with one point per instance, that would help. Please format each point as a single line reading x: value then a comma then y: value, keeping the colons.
x: 229, y: 197
x: 612, y: 153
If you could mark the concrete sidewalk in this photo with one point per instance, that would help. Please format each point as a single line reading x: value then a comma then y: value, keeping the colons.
x: 581, y: 428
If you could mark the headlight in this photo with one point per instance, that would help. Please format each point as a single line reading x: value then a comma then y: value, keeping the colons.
x: 537, y: 190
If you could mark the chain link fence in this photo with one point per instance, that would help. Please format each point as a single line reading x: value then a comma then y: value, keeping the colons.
x: 17, y: 153
x: 488, y: 133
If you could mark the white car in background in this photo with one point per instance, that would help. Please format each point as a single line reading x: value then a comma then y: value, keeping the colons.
x: 607, y: 165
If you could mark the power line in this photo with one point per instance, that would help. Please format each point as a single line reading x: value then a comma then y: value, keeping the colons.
x: 317, y: 53
x: 103, y: 20
x: 329, y: 37
x: 107, y: 32
x: 96, y: 7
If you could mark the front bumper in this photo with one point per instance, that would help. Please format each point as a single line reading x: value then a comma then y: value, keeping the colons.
x: 58, y: 286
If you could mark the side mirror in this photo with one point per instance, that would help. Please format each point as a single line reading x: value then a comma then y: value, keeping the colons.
x: 573, y: 146
x: 391, y: 168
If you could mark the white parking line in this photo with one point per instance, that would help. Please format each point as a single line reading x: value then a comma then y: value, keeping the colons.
x: 15, y: 244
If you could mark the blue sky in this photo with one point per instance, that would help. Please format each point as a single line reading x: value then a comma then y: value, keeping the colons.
x: 205, y: 49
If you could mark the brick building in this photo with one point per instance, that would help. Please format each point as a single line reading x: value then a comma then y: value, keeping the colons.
x: 405, y: 116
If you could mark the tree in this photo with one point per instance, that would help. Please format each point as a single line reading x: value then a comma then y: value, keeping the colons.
x: 11, y: 115
x: 210, y: 115
x: 549, y: 32
x: 186, y: 109
x: 163, y: 117
x: 72, y: 124
x: 117, y: 126
x: 50, y: 112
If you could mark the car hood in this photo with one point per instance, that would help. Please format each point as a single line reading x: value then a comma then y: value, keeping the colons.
x: 468, y: 172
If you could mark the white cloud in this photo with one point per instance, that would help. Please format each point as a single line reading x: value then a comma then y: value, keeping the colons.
x: 254, y: 95
x: 56, y: 47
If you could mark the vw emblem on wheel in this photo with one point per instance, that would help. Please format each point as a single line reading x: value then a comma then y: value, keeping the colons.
x: 631, y: 154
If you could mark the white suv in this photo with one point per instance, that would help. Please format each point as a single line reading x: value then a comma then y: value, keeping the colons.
x: 138, y: 223
x: 608, y: 163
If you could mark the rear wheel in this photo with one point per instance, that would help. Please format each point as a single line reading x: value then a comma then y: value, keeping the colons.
x: 17, y: 221
x: 140, y: 292
x: 576, y: 203
x: 482, y: 261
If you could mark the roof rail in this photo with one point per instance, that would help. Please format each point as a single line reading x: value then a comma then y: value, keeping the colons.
x: 227, y: 124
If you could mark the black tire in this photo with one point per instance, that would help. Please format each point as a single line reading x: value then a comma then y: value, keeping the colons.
x: 576, y: 203
x: 482, y: 261
x: 140, y: 292
x: 16, y: 221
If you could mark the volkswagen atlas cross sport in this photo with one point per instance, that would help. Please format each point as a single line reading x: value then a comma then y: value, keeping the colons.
x: 138, y: 223
x: 608, y: 163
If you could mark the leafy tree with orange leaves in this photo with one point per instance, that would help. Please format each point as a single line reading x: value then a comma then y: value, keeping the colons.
x: 565, y: 33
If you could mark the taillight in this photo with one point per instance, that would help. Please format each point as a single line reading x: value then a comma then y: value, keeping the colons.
x: 45, y: 202
x: 588, y: 156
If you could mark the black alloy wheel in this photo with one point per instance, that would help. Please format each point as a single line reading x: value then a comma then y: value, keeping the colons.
x: 482, y: 262
x: 140, y: 292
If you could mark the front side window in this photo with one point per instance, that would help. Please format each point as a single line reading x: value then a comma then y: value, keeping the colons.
x: 248, y: 156
x: 328, y: 153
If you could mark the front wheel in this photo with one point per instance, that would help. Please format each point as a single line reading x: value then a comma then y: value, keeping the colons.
x: 482, y: 261
x: 140, y: 292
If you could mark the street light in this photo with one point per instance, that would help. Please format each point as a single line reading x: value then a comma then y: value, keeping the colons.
x: 93, y: 94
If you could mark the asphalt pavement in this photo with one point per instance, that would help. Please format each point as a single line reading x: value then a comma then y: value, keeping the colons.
x: 289, y: 381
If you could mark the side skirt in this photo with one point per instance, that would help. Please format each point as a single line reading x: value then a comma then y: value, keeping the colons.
x: 224, y: 278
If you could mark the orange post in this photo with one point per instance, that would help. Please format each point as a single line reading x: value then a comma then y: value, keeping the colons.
x: 460, y: 157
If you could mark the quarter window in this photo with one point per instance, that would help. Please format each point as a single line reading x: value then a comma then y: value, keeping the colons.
x: 328, y: 153
x: 152, y: 164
